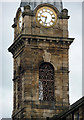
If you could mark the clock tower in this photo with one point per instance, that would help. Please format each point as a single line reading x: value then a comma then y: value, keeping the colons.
x: 41, y: 60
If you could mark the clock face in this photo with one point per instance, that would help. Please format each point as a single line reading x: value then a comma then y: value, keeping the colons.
x: 46, y: 17
x: 19, y: 26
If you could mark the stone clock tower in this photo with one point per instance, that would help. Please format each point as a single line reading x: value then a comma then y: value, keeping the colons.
x: 41, y: 60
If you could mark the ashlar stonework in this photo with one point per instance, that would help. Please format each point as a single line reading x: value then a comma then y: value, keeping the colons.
x: 33, y: 46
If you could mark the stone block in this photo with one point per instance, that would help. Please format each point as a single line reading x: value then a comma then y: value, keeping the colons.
x: 27, y: 30
x: 36, y: 52
x: 57, y: 33
x: 47, y: 32
x: 35, y: 31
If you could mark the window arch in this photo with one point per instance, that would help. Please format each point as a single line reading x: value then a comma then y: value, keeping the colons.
x: 46, y: 82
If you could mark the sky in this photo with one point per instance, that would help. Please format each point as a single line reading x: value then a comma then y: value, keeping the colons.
x: 7, y: 13
x: 82, y: 49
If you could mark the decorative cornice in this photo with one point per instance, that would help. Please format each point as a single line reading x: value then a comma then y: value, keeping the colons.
x: 17, y: 44
x: 20, y: 41
x: 44, y: 37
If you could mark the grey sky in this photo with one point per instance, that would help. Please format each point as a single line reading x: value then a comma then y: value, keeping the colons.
x: 0, y: 55
x: 83, y: 48
x: 75, y: 58
x: 75, y: 30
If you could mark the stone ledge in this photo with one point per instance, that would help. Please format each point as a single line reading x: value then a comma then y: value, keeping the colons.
x: 23, y: 40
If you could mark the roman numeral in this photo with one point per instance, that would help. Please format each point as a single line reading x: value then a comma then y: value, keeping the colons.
x: 52, y: 21
x: 40, y: 20
x: 53, y: 17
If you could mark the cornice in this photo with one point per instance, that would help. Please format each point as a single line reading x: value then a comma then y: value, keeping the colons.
x: 21, y: 40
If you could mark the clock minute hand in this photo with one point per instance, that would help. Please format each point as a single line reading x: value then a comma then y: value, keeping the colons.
x: 45, y: 19
x: 44, y: 16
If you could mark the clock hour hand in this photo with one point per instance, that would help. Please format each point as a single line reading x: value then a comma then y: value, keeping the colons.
x: 44, y: 17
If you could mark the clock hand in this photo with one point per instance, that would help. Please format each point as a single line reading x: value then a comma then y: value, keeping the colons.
x: 45, y: 19
x: 44, y: 16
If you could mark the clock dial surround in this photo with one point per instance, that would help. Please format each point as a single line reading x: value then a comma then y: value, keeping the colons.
x: 19, y: 24
x: 46, y: 17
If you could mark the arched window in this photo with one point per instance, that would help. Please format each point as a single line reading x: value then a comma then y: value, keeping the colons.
x: 46, y: 82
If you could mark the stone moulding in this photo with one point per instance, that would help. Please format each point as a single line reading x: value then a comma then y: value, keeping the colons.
x: 21, y: 40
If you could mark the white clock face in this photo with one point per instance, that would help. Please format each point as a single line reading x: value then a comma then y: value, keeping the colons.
x: 46, y: 16
x: 19, y: 21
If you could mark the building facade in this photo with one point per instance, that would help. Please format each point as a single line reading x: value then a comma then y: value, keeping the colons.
x: 41, y: 60
x: 74, y: 112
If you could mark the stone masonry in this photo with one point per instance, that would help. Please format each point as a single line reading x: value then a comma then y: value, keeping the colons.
x: 33, y: 46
